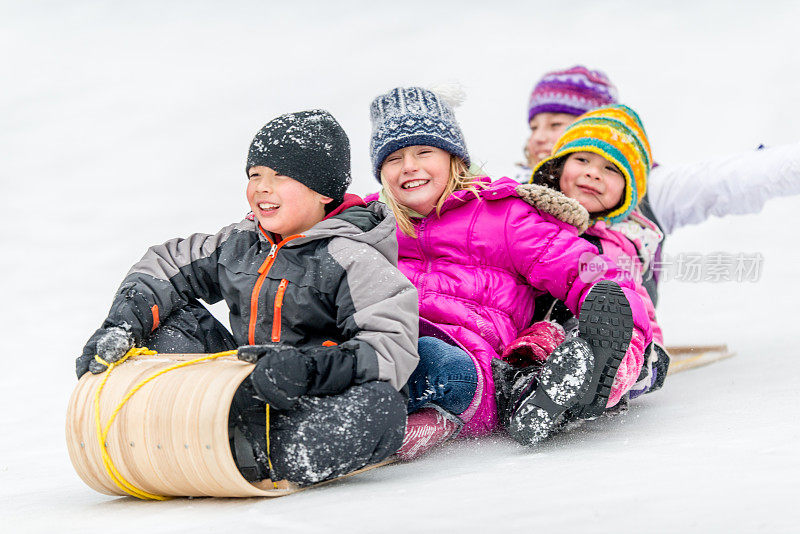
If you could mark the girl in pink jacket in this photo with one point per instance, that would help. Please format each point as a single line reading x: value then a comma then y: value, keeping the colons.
x: 479, y: 255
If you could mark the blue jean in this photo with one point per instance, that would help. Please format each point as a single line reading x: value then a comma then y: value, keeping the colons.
x: 445, y: 376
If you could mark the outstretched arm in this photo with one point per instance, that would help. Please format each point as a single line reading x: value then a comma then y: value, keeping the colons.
x: 732, y: 185
x: 166, y: 277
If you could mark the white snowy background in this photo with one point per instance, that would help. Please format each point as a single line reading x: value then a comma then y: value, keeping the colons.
x: 123, y: 124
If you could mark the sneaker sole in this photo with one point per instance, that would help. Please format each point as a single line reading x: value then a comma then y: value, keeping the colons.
x: 563, y: 382
x: 606, y: 323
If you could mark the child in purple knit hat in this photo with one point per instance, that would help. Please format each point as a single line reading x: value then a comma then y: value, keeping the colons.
x: 557, y: 100
x: 677, y: 195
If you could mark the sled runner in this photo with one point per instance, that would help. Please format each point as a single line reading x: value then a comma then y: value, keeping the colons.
x: 685, y: 357
x: 170, y: 437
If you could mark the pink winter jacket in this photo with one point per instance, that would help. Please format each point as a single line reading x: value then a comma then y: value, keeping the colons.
x: 478, y: 268
x: 625, y: 255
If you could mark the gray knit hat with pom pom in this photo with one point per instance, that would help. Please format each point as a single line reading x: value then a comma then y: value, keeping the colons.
x: 408, y: 116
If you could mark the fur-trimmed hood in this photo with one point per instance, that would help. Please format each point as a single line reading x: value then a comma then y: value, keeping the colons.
x: 555, y: 203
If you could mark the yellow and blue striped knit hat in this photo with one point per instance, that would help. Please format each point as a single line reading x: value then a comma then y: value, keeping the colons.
x: 616, y: 133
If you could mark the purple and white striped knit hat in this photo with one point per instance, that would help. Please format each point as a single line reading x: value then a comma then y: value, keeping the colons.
x: 575, y: 91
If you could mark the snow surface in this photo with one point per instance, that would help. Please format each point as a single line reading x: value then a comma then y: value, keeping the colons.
x: 125, y: 124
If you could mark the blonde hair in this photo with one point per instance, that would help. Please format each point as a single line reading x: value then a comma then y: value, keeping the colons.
x: 460, y: 178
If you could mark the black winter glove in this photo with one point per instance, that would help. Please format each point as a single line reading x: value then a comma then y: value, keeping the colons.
x: 284, y: 373
x: 111, y: 344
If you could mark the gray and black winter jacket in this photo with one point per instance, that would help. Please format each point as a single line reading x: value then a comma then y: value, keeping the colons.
x: 338, y: 283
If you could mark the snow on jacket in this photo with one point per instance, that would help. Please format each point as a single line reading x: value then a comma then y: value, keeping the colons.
x: 337, y: 282
x: 479, y: 266
x: 730, y: 185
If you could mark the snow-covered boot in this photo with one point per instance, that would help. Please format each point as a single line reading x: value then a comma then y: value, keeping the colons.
x: 606, y: 323
x: 562, y: 383
x: 511, y: 384
x: 427, y: 428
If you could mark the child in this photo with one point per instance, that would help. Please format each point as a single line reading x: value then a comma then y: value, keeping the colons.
x: 479, y: 256
x: 677, y: 195
x: 311, y: 281
x: 602, y: 161
x: 555, y: 102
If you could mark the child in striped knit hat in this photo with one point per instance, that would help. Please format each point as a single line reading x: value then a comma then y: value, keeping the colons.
x: 601, y: 162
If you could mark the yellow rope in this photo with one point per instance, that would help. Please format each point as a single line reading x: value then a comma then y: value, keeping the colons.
x: 102, y: 432
x: 269, y: 456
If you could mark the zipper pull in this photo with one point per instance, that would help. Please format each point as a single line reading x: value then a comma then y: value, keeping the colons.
x: 267, y: 262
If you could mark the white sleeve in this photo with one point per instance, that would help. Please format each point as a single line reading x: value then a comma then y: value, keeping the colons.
x: 731, y: 185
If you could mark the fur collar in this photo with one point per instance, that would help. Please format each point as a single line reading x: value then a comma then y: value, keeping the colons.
x: 555, y: 203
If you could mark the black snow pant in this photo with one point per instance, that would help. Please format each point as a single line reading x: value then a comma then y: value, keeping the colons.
x: 319, y: 439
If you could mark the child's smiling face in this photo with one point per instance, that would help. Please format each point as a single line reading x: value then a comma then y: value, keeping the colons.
x: 282, y: 205
x: 546, y: 128
x: 417, y: 176
x: 593, y: 181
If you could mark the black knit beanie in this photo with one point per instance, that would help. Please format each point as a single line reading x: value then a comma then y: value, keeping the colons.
x: 308, y: 146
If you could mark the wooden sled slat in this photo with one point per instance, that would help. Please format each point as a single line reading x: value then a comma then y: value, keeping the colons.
x: 171, y: 437
x: 685, y: 357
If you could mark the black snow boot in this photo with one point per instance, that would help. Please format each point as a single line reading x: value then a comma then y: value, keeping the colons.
x: 562, y: 383
x: 247, y: 432
x: 606, y: 323
x: 511, y: 385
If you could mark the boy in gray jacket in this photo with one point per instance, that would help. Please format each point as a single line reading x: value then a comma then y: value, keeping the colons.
x: 315, y: 299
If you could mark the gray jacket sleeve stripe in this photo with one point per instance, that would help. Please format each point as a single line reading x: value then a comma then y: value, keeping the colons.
x: 167, y: 275
x: 169, y: 259
x: 383, y: 312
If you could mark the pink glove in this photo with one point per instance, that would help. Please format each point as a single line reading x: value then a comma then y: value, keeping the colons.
x: 534, y: 344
